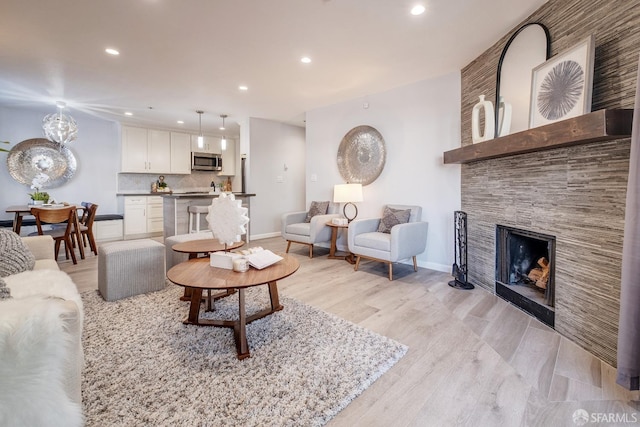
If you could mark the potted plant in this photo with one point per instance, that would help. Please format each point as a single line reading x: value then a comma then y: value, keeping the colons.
x: 161, y: 185
x: 39, y: 197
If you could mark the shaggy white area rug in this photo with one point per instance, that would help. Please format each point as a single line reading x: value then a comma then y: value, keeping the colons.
x: 145, y: 367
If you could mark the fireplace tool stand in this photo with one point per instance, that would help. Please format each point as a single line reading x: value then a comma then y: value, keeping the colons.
x: 459, y: 269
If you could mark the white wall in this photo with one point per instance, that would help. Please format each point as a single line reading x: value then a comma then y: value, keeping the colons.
x: 276, y: 174
x: 418, y: 122
x: 97, y: 153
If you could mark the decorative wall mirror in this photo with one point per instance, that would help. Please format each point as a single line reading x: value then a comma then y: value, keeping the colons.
x: 527, y: 48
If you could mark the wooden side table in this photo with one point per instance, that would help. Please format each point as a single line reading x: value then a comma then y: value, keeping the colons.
x: 334, y: 238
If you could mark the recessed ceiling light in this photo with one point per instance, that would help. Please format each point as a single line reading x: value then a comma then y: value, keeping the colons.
x: 418, y: 10
x: 112, y: 51
x: 305, y: 60
x: 128, y: 113
x: 180, y: 122
x: 243, y: 88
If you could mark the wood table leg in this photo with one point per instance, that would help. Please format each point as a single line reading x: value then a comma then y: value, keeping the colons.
x: 194, y: 308
x: 210, y: 306
x: 17, y: 223
x: 273, y: 295
x: 187, y: 294
x: 334, y: 240
x: 240, y: 328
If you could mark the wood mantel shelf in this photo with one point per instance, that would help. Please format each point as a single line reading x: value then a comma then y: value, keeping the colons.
x: 601, y: 125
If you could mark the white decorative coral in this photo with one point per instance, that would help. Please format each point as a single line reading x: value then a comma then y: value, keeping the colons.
x: 227, y: 218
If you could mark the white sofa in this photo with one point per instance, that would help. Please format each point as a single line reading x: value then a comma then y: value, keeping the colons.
x: 41, y: 355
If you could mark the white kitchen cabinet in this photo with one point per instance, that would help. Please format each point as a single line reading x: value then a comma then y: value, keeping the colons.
x: 145, y: 150
x: 229, y: 159
x: 135, y: 215
x: 142, y: 215
x: 154, y: 214
x: 159, y: 151
x: 134, y: 149
x: 180, y: 153
x: 211, y: 144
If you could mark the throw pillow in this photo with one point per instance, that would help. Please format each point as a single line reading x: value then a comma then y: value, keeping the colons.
x: 15, y: 256
x: 316, y: 208
x: 391, y: 217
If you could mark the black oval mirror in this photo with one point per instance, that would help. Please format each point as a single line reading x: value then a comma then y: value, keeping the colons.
x: 528, y: 47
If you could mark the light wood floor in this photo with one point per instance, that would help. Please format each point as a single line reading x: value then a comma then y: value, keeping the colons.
x: 473, y: 359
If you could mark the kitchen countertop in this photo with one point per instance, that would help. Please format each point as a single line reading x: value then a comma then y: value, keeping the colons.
x: 178, y: 194
x: 191, y: 195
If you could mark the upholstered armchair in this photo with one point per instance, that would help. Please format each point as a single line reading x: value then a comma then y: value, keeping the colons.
x: 296, y: 230
x: 404, y: 240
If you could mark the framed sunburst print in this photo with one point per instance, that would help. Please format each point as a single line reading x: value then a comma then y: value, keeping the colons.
x: 561, y: 87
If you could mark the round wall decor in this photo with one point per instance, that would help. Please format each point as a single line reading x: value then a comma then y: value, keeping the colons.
x: 361, y: 155
x: 32, y: 157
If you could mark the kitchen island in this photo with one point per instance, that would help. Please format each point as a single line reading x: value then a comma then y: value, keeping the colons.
x: 175, y: 211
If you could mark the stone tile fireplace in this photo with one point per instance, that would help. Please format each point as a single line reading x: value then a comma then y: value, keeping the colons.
x: 525, y: 271
x: 575, y: 193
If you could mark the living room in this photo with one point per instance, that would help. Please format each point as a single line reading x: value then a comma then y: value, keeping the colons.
x: 419, y: 121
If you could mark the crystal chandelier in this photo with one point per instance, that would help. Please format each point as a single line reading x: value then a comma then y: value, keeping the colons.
x: 59, y: 127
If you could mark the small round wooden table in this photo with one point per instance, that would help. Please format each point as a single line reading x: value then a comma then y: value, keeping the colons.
x: 198, y: 275
x: 204, y: 247
x: 334, y: 239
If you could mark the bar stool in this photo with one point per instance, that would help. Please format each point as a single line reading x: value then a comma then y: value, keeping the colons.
x: 197, y: 211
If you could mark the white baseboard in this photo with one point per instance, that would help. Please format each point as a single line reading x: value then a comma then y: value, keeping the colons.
x: 265, y: 235
x: 435, y: 266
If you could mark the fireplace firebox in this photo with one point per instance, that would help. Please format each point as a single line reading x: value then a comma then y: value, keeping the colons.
x: 525, y: 270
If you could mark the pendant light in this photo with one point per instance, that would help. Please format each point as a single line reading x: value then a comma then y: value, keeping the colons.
x: 223, y: 141
x: 59, y: 127
x: 200, y: 136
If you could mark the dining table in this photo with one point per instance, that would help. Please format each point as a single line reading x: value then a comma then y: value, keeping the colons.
x: 20, y: 211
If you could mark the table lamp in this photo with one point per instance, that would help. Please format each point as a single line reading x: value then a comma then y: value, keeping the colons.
x: 348, y: 194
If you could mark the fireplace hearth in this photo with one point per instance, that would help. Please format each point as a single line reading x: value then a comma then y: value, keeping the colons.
x: 525, y: 267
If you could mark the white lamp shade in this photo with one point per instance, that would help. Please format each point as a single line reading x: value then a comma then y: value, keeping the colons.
x: 346, y: 193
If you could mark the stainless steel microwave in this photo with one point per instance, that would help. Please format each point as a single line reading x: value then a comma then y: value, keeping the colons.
x: 206, y: 162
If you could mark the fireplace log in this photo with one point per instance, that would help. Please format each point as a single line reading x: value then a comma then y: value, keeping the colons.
x: 535, y: 274
x: 541, y: 273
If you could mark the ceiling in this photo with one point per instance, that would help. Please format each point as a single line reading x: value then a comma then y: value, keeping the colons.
x: 179, y: 56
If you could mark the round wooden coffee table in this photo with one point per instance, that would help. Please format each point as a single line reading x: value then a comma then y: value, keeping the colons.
x: 204, y: 247
x: 198, y: 275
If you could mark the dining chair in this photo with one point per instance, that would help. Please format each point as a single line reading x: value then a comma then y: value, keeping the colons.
x: 86, y: 225
x: 47, y: 216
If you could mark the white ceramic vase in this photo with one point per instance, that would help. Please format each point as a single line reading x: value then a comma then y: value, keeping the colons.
x: 489, y: 126
x: 504, y: 117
